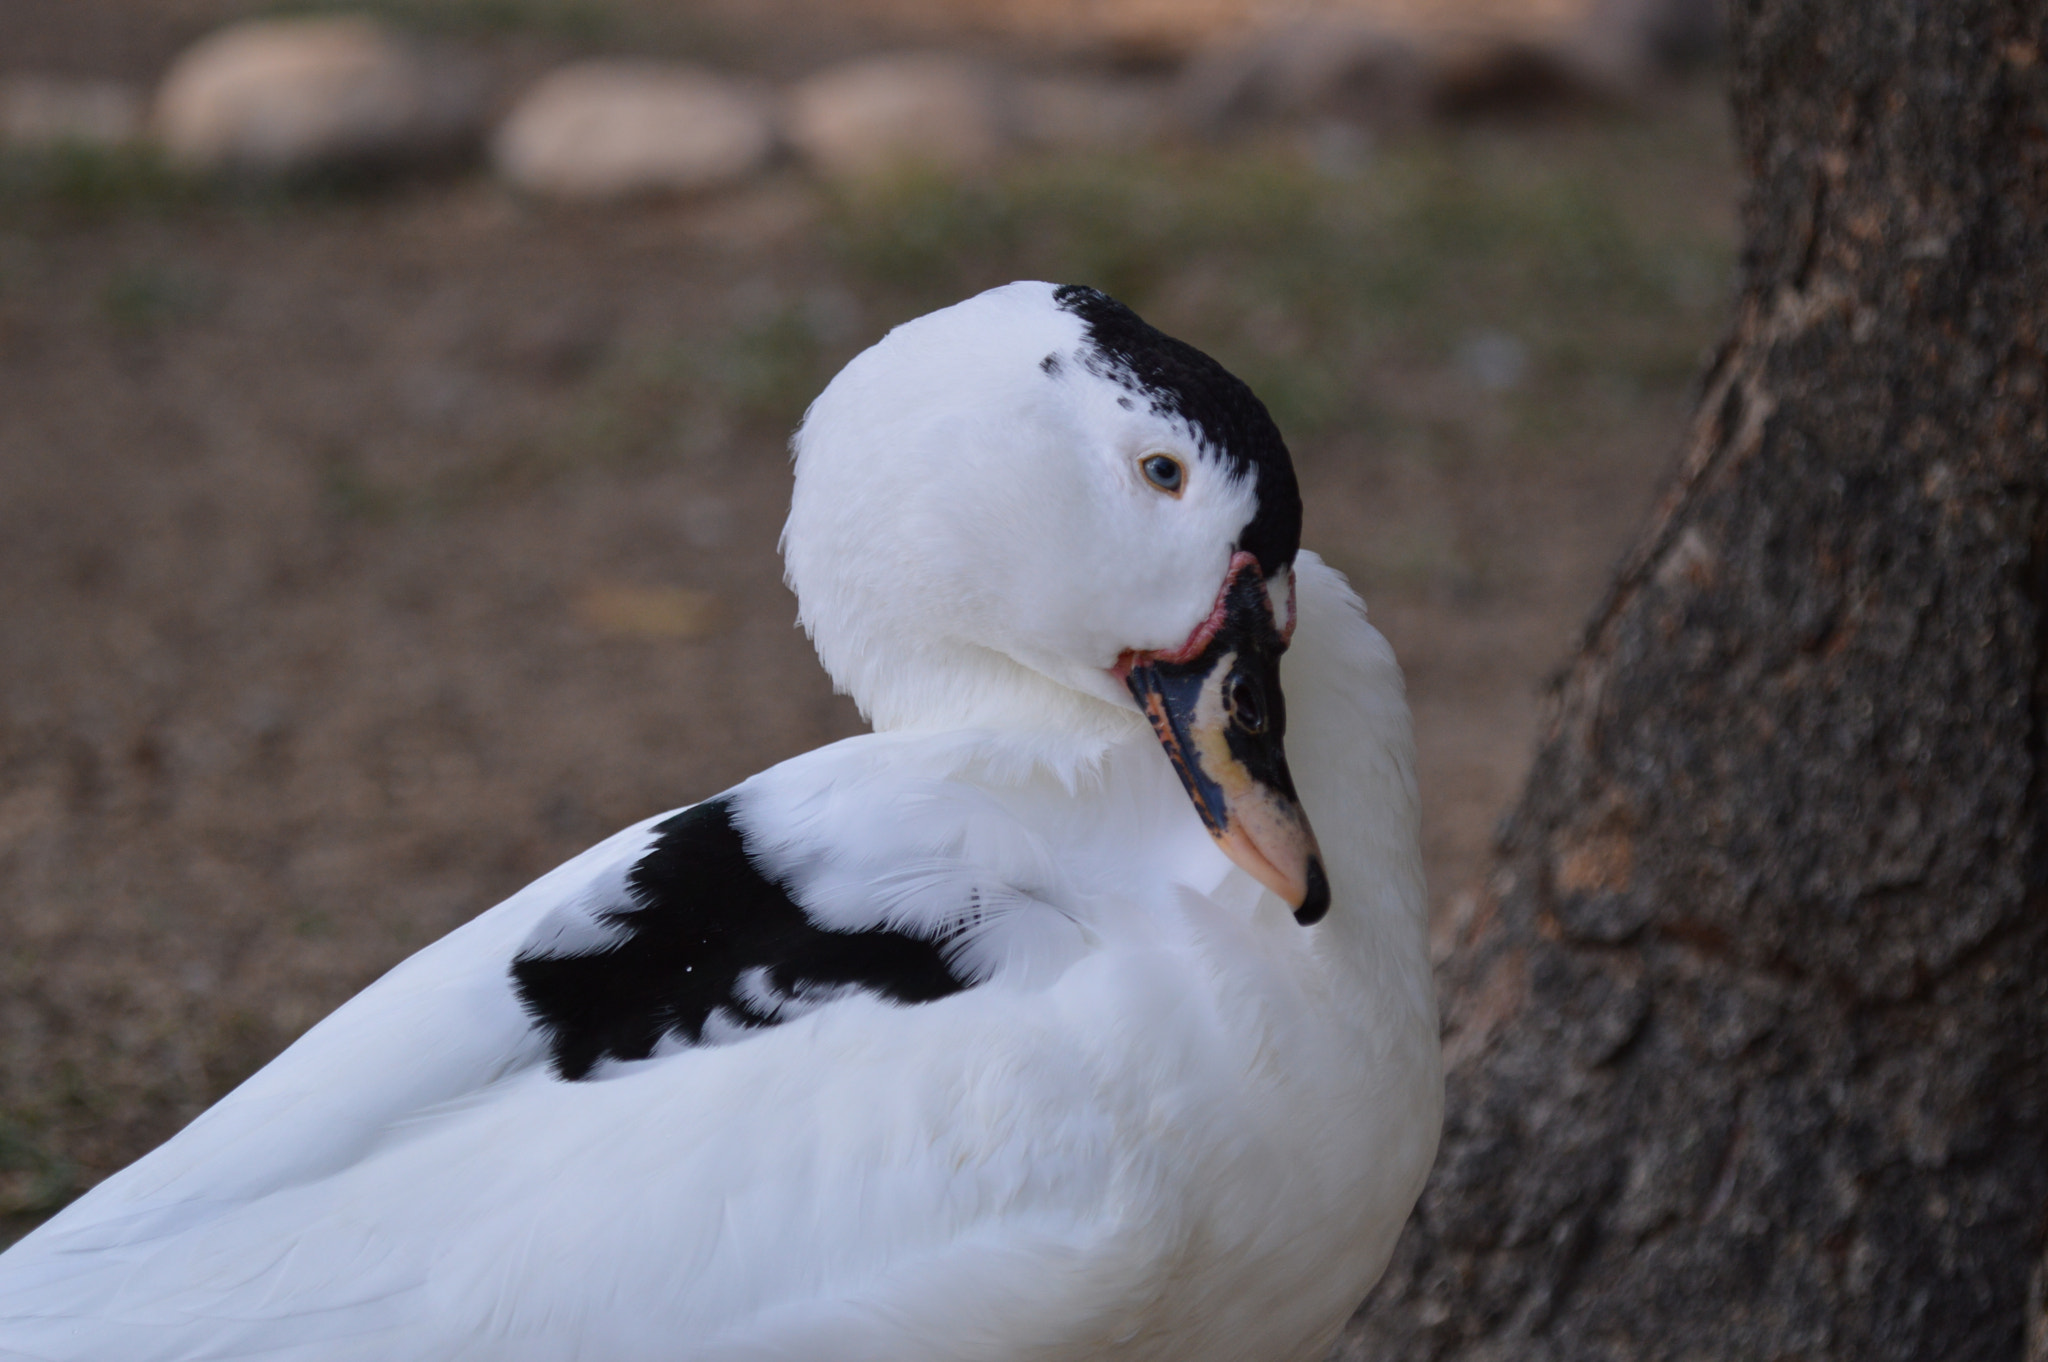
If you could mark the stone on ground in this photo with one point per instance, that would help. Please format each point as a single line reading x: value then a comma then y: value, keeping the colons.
x: 289, y: 96
x: 1326, y: 69
x: 613, y: 129
x: 884, y: 114
x: 1090, y: 113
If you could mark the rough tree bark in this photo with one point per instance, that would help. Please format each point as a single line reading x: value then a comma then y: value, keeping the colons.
x: 1749, y: 1036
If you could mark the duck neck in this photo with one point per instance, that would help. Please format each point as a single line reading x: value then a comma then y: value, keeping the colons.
x: 1020, y: 720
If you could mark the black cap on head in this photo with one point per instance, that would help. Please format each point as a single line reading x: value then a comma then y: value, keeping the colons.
x: 1178, y: 380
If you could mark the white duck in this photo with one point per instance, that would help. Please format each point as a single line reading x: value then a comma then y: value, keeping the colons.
x: 983, y: 1036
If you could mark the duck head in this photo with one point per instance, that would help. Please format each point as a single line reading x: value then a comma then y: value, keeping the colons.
x: 1032, y: 510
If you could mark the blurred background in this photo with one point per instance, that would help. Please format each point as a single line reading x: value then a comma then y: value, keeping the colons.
x: 394, y: 401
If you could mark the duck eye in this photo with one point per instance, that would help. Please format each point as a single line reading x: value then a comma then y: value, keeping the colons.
x: 1163, y: 471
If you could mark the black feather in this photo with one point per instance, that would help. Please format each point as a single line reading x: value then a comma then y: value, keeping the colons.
x: 1180, y: 381
x: 700, y: 915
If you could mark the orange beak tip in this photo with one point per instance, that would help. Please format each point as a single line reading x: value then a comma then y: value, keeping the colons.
x: 1306, y: 891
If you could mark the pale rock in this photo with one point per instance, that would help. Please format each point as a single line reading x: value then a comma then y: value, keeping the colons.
x: 287, y: 96
x: 612, y: 129
x: 1090, y: 113
x: 40, y: 111
x: 1631, y: 44
x: 1321, y: 70
x: 905, y: 110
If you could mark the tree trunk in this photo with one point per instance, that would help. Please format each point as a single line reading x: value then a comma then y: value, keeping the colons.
x: 1749, y: 1035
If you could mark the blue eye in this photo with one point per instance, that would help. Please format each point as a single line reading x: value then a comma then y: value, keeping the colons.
x: 1163, y: 471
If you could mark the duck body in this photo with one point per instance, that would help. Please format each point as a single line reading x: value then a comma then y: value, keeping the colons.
x: 946, y: 1042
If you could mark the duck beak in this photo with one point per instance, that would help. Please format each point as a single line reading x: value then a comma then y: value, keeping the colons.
x: 1216, y: 705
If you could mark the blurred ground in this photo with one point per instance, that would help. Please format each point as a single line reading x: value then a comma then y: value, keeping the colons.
x: 135, y: 37
x: 363, y: 553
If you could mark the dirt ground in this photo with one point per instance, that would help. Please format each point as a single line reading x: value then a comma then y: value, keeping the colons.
x: 363, y: 553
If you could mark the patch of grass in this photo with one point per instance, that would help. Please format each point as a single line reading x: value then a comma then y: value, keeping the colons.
x: 580, y: 21
x: 769, y: 368
x: 73, y: 184
x: 83, y: 181
x: 34, y: 1182
x: 688, y: 397
x: 147, y: 296
x: 350, y: 494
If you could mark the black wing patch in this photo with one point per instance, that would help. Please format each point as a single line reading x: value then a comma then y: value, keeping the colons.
x: 707, y: 936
